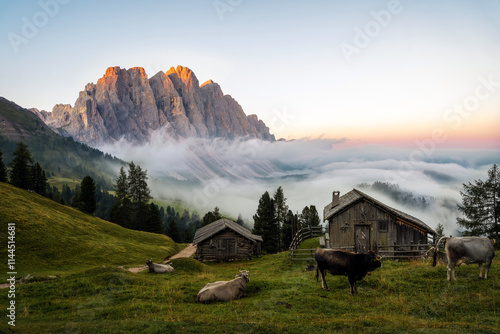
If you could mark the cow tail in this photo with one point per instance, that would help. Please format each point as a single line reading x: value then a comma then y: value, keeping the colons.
x: 317, y: 273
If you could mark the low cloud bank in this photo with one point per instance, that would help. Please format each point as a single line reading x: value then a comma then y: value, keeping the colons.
x: 234, y: 174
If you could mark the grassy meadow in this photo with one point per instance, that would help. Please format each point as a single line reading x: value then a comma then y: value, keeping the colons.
x: 93, y: 294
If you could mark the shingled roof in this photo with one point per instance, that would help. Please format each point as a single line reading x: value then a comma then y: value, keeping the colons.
x: 355, y: 195
x: 217, y: 226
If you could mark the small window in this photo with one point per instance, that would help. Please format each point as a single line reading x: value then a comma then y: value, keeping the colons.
x: 382, y: 226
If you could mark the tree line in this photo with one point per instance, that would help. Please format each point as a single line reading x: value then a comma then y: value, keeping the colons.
x: 277, y: 224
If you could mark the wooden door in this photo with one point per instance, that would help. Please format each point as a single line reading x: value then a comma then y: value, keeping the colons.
x: 226, y: 250
x: 362, y: 238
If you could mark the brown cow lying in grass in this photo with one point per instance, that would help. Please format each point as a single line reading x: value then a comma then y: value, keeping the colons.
x: 225, y: 291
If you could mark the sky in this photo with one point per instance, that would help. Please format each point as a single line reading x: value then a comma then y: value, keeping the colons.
x: 387, y: 72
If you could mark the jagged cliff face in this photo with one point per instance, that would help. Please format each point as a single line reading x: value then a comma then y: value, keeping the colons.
x: 127, y: 104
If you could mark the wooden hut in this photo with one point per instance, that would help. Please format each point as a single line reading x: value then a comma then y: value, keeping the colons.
x: 359, y: 223
x: 224, y: 240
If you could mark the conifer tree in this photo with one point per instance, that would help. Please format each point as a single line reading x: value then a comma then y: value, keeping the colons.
x: 280, y: 209
x: 240, y: 221
x: 20, y: 173
x: 211, y: 216
x: 120, y: 213
x: 153, y: 221
x: 173, y: 229
x: 38, y: 179
x: 87, y: 195
x: 480, y: 206
x: 3, y: 170
x: 137, y: 185
x: 309, y: 217
x: 266, y: 225
x: 286, y: 229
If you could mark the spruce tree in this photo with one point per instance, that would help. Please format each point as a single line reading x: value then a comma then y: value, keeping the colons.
x: 153, y: 221
x: 139, y: 194
x: 20, y: 173
x: 87, y: 195
x: 173, y: 229
x: 314, y: 219
x: 309, y: 217
x: 286, y: 229
x: 240, y: 221
x: 3, y: 170
x: 121, y: 210
x: 211, y: 216
x: 480, y: 206
x: 38, y: 179
x: 266, y: 225
x: 137, y: 185
x: 280, y: 209
x: 304, y: 218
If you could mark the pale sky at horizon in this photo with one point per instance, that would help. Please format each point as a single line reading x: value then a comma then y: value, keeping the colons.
x: 336, y: 69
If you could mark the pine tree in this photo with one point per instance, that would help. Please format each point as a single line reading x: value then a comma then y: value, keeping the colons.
x: 139, y: 194
x: 266, y: 225
x: 304, y: 218
x: 211, y: 216
x: 3, y: 170
x: 286, y: 229
x: 240, y: 221
x: 280, y: 209
x: 173, y: 229
x: 153, y: 221
x: 87, y: 195
x: 137, y: 184
x: 309, y: 217
x: 439, y: 231
x: 20, y: 173
x: 38, y: 179
x: 121, y: 210
x: 480, y: 205
x: 67, y: 194
x: 314, y: 219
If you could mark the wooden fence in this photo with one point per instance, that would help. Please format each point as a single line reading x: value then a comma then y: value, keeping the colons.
x: 301, y: 235
x: 390, y: 252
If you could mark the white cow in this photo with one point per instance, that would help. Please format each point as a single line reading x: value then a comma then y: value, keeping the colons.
x: 467, y: 250
x: 224, y: 291
x: 159, y: 268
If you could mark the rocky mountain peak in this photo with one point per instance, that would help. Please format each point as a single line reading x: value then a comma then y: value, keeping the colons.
x: 185, y: 75
x: 126, y: 104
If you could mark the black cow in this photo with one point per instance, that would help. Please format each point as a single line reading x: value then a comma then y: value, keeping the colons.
x: 353, y: 265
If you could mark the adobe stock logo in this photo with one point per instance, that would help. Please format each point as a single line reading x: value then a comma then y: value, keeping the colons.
x: 363, y: 37
x: 223, y: 6
x: 31, y: 27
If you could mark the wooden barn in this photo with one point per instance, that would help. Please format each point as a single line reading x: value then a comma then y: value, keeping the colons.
x: 224, y: 240
x: 358, y: 222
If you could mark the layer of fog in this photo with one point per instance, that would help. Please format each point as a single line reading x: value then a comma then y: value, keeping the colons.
x: 234, y: 174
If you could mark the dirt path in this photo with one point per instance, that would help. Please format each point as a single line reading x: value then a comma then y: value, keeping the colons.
x: 186, y: 252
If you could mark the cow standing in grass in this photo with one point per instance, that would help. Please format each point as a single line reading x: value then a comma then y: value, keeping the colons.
x: 467, y: 250
x: 224, y: 291
x: 353, y: 265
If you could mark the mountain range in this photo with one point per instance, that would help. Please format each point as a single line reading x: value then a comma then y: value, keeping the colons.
x: 126, y: 104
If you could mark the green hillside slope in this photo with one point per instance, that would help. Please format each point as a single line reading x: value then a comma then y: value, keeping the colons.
x: 51, y: 238
x: 61, y: 156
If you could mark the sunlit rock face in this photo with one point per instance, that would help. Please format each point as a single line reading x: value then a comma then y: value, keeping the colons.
x: 126, y: 104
